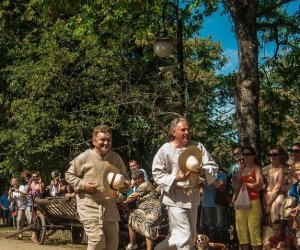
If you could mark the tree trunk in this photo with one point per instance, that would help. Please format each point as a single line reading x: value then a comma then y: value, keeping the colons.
x: 246, y: 90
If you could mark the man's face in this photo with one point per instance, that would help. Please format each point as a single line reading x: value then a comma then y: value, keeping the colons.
x: 133, y: 166
x: 237, y: 154
x: 277, y: 230
x: 102, y: 142
x: 295, y: 154
x: 182, y: 133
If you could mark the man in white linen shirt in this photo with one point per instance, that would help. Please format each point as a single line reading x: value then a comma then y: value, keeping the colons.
x: 182, y: 202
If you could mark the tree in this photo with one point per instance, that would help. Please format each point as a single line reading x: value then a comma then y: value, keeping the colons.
x: 250, y: 18
x: 244, y: 15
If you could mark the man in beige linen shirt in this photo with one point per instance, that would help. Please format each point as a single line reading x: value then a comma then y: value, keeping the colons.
x: 97, y: 210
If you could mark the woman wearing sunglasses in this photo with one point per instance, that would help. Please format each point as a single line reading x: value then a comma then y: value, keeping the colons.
x: 277, y: 179
x: 248, y: 222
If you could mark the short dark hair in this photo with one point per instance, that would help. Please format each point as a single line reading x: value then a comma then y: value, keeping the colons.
x: 138, y: 174
x: 252, y: 150
x: 284, y: 155
x: 280, y: 222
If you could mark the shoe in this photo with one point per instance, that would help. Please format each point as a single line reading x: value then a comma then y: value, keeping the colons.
x: 20, y: 237
x: 131, y: 246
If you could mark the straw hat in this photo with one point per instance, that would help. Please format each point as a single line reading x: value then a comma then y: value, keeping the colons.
x: 112, y: 179
x: 190, y: 159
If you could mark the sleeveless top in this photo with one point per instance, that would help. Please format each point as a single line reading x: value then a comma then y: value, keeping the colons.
x: 250, y: 178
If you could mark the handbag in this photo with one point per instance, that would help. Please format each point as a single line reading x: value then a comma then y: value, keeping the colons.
x: 243, y: 201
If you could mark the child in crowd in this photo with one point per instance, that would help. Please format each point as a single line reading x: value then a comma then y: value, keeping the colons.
x: 4, y: 204
x: 279, y: 240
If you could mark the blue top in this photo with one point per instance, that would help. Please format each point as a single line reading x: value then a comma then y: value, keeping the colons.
x: 4, y: 202
x: 295, y: 191
x: 209, y: 192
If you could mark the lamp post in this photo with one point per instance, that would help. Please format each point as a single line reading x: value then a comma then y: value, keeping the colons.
x: 163, y: 46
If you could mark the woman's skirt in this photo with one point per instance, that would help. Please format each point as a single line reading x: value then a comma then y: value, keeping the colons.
x: 147, y: 218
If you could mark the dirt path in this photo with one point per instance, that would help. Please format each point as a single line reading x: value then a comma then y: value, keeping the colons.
x: 13, y: 244
x: 58, y: 241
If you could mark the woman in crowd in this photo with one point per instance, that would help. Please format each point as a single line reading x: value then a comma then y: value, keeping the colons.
x: 13, y: 194
x: 54, y: 188
x: 277, y: 180
x: 146, y: 218
x: 19, y: 201
x: 248, y: 222
x: 36, y: 187
x: 35, y: 190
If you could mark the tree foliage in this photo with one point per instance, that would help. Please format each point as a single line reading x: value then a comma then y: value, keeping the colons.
x: 66, y: 70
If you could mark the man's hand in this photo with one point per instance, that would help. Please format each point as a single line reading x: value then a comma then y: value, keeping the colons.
x: 181, y: 176
x: 90, y: 187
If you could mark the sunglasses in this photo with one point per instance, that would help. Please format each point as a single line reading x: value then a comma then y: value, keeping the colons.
x: 295, y: 151
x: 247, y: 154
x: 237, y: 154
x: 274, y: 155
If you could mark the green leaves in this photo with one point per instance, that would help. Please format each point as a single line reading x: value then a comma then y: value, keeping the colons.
x: 67, y: 68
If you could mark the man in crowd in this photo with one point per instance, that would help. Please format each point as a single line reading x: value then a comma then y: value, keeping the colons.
x: 134, y: 167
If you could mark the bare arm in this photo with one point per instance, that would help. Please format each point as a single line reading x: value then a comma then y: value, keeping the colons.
x: 259, y: 182
x: 132, y: 197
x: 279, y: 183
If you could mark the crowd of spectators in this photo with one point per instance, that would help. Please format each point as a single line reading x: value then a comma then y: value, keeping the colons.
x: 17, y: 203
x: 274, y: 192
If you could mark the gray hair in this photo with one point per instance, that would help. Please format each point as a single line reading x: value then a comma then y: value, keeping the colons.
x: 176, y: 121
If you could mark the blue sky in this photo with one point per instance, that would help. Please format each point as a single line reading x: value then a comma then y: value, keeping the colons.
x: 218, y: 26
